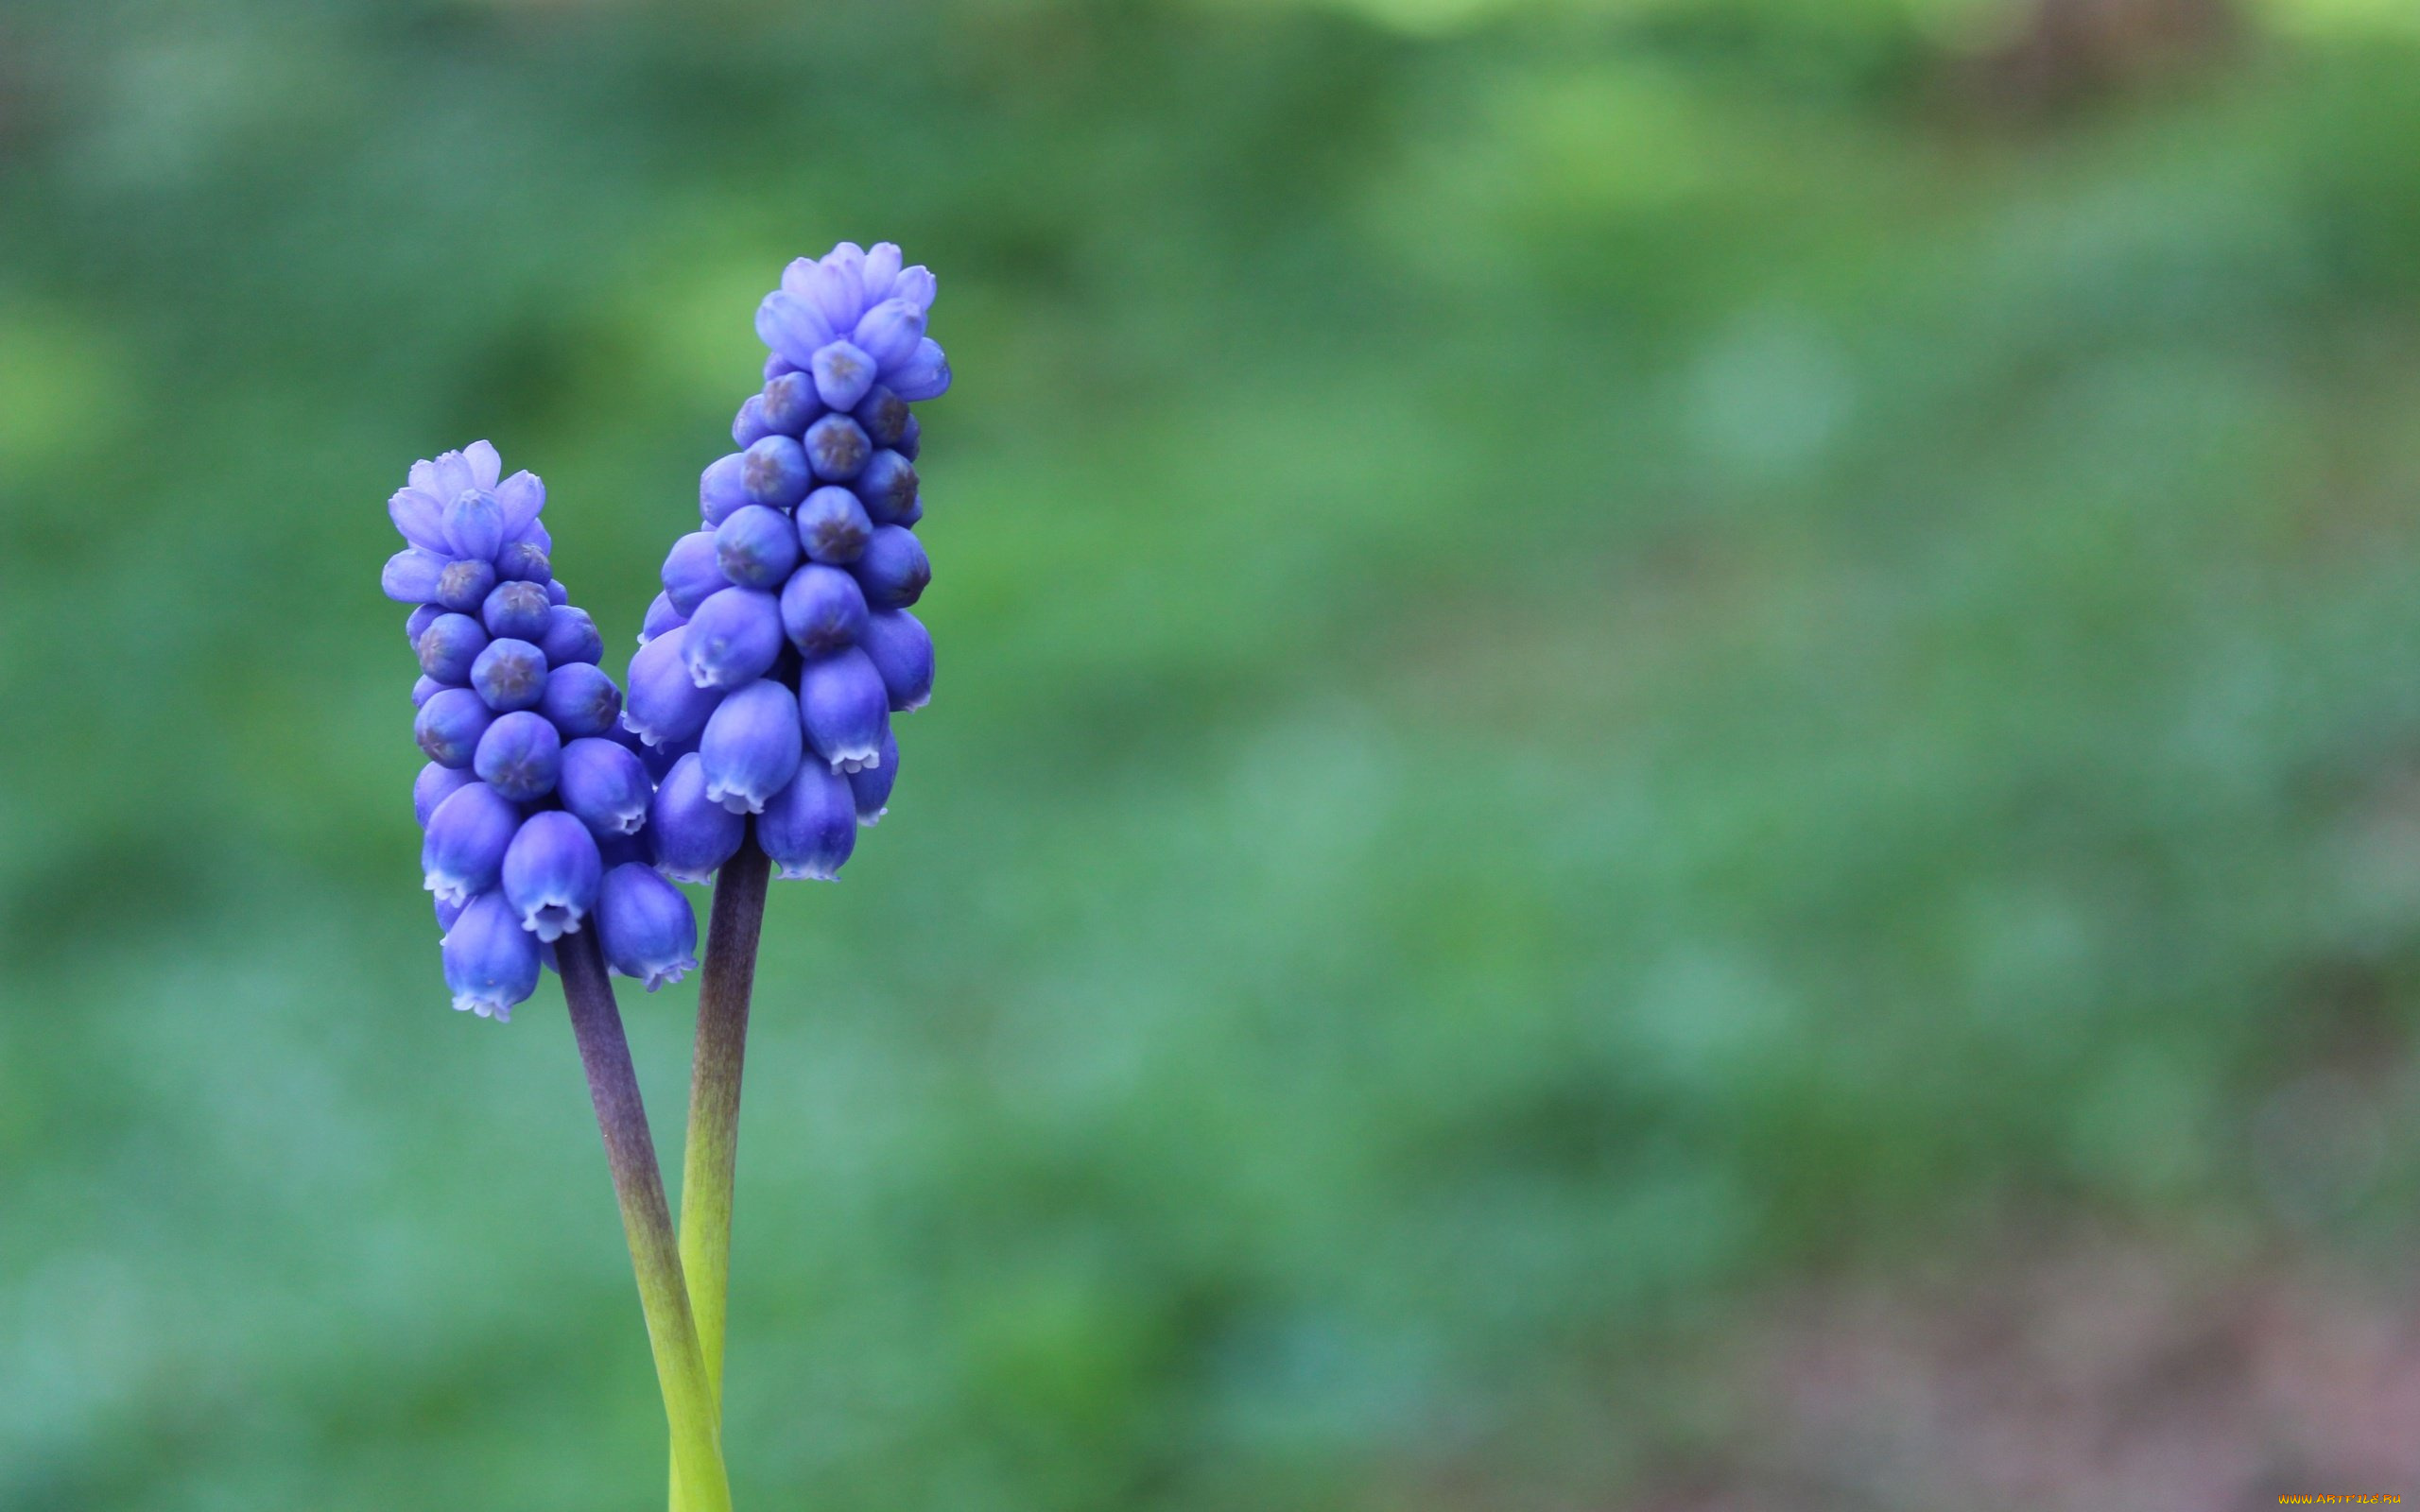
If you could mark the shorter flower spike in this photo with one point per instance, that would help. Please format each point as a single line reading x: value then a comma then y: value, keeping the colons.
x: 551, y: 873
x: 491, y: 961
x: 644, y: 926
x: 525, y: 803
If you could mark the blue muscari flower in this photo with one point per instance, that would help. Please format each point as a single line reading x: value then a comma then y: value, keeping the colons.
x: 892, y: 569
x: 782, y: 721
x: 869, y: 786
x: 551, y: 872
x: 528, y: 810
x: 606, y: 786
x: 733, y: 638
x: 693, y: 835
x: 901, y: 651
x: 844, y: 709
x: 520, y: 756
x: 692, y: 570
x: 509, y: 674
x: 517, y: 610
x: 491, y: 960
x: 833, y: 527
x: 580, y: 699
x: 822, y: 608
x: 773, y: 471
x: 571, y: 636
x: 661, y: 616
x: 756, y: 546
x: 646, y: 926
x: 662, y: 707
x: 809, y: 827
x: 751, y: 746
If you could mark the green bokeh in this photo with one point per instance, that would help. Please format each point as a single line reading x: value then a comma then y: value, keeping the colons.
x: 1594, y: 658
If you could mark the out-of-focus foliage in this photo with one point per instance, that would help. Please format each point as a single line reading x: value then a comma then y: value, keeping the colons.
x: 1594, y: 657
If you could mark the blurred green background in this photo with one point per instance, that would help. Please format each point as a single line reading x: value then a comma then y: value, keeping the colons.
x: 1677, y: 763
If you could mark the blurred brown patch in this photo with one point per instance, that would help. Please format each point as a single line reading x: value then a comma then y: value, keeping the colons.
x: 2110, y: 1374
x: 2063, y: 51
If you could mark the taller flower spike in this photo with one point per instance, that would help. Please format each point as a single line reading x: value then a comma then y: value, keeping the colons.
x: 783, y: 644
x: 523, y: 807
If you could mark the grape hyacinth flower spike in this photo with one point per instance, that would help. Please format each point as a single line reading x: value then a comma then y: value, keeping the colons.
x: 781, y: 647
x: 532, y: 823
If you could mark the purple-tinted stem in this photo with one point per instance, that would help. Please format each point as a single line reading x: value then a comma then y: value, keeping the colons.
x: 647, y: 1222
x: 710, y: 1169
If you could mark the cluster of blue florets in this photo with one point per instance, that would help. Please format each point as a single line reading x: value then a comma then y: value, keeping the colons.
x: 533, y: 806
x: 770, y: 665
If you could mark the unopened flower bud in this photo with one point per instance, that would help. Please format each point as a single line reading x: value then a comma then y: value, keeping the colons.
x: 836, y: 449
x: 756, y: 546
x: 510, y: 675
x: 449, y: 646
x: 448, y: 727
x: 517, y: 610
x: 571, y: 636
x: 892, y: 570
x: 822, y: 608
x: 520, y: 756
x: 690, y: 571
x: 660, y: 705
x: 831, y: 527
x: 579, y: 700
x: 901, y: 650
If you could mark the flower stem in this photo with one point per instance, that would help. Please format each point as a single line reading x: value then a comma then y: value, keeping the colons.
x: 709, y: 1169
x: 647, y: 1222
